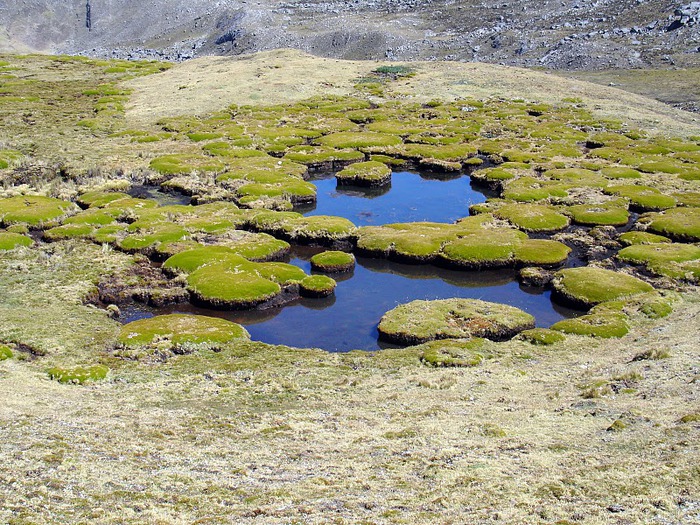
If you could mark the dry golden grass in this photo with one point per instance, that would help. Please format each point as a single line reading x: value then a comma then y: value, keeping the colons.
x: 208, y: 84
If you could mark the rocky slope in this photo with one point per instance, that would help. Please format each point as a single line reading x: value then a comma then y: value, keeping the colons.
x: 568, y: 34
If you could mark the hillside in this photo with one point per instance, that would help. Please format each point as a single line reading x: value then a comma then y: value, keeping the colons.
x: 584, y: 34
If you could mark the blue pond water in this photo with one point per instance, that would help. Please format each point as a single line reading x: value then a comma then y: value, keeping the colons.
x: 410, y: 197
x: 348, y: 319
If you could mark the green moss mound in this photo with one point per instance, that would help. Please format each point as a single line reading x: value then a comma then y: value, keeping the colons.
x: 587, y: 286
x: 356, y: 140
x: 5, y: 352
x: 317, y: 286
x: 78, y: 375
x: 185, y: 163
x: 597, y: 325
x: 620, y: 172
x: 9, y: 157
x: 223, y: 286
x: 678, y: 261
x: 529, y: 189
x: 10, y: 241
x: 449, y: 353
x: 680, y: 224
x: 68, y: 231
x: 533, y: 217
x: 180, y: 333
x: 541, y: 252
x: 371, y: 174
x: 612, y: 213
x: 421, y: 321
x: 33, y: 210
x: 643, y: 198
x: 636, y: 237
x: 333, y: 262
x: 542, y: 336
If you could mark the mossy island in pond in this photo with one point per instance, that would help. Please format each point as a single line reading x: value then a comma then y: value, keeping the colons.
x: 333, y: 262
x: 317, y: 286
x: 421, y: 321
x: 78, y: 375
x: 533, y: 217
x: 371, y: 174
x: 177, y: 333
x: 588, y: 286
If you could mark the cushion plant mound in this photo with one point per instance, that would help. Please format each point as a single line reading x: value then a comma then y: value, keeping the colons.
x: 620, y: 172
x: 146, y: 240
x: 333, y: 262
x: 651, y: 305
x: 98, y: 199
x: 533, y: 217
x: 371, y: 174
x: 637, y: 237
x: 68, y: 231
x: 5, y: 352
x: 421, y: 321
x: 528, y: 189
x: 541, y: 252
x: 34, y: 210
x: 587, y: 286
x: 678, y: 261
x: 605, y: 325
x: 453, y: 352
x: 317, y: 286
x: 185, y: 163
x: 10, y: 241
x: 78, y: 375
x: 190, y: 260
x: 688, y: 198
x: 223, y: 286
x: 358, y: 140
x: 179, y: 333
x: 643, y: 198
x: 611, y: 213
x: 680, y: 224
x: 541, y: 336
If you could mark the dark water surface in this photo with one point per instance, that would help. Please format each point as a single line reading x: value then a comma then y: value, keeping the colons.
x: 348, y: 319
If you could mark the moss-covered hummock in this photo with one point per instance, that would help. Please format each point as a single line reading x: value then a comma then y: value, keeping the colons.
x: 541, y: 336
x: 587, y: 286
x: 10, y: 241
x: 355, y: 140
x: 371, y: 174
x: 533, y: 217
x: 186, y: 163
x: 78, y: 375
x: 5, y: 352
x: 317, y: 286
x: 678, y: 261
x: 611, y: 213
x: 680, y: 224
x: 453, y: 352
x: 333, y: 262
x: 605, y: 325
x: 177, y: 333
x: 529, y: 189
x: 421, y: 321
x: 643, y: 198
x: 35, y: 211
x: 637, y: 237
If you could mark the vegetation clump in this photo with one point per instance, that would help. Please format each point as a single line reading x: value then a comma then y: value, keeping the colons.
x: 603, y: 325
x: 450, y: 353
x: 317, y: 286
x: 333, y: 262
x: 588, y: 286
x: 10, y: 240
x: 78, y: 375
x: 177, y: 333
x: 371, y: 174
x: 611, y: 213
x: 35, y: 211
x: 678, y: 261
x: 5, y: 352
x: 542, y: 336
x: 533, y: 217
x: 680, y: 224
x: 421, y: 321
